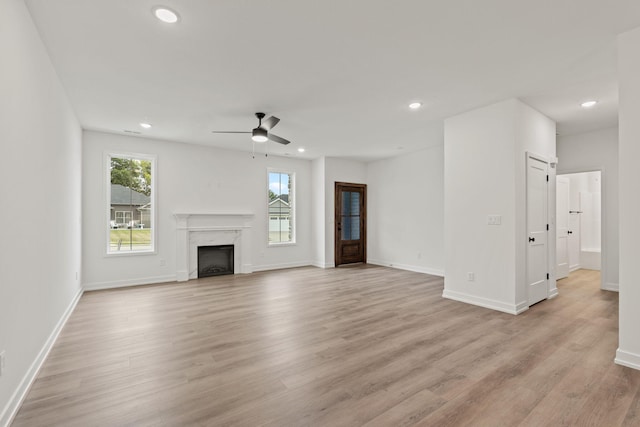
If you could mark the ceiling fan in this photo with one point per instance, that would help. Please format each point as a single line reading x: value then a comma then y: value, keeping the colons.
x: 261, y: 133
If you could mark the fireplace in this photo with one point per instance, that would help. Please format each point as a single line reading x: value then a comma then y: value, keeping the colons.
x: 209, y: 229
x: 215, y: 260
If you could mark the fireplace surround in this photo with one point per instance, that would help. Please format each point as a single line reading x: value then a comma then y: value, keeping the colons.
x: 212, y: 229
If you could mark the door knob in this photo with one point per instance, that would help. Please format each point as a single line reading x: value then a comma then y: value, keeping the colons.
x: 569, y: 232
x: 532, y: 239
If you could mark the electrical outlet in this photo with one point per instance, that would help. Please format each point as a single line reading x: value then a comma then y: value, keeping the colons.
x: 1, y: 362
x: 163, y: 262
x: 471, y: 276
x: 495, y: 219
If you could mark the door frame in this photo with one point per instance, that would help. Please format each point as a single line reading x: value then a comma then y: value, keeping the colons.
x: 560, y: 178
x: 337, y: 215
x: 552, y: 288
x: 603, y: 227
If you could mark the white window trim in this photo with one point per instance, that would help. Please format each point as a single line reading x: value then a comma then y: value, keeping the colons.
x: 293, y: 203
x: 107, y: 155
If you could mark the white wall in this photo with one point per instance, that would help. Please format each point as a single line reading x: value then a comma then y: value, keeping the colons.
x: 484, y: 174
x: 598, y: 151
x: 318, y: 220
x: 337, y: 170
x: 406, y: 211
x: 629, y: 149
x: 190, y: 178
x: 40, y: 171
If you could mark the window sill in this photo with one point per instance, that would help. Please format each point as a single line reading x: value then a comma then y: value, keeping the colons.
x: 131, y: 253
x: 277, y: 245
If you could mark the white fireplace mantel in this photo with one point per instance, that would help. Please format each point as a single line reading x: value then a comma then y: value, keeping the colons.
x: 203, y: 229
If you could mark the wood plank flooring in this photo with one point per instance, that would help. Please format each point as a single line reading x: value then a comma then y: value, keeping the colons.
x: 351, y: 346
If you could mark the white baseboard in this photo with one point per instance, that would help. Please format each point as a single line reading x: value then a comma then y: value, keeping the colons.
x: 322, y: 264
x: 485, y: 302
x: 574, y: 268
x: 12, y: 407
x: 553, y: 293
x: 521, y: 307
x: 282, y: 266
x: 415, y: 268
x: 125, y: 283
x: 614, y: 287
x: 627, y: 359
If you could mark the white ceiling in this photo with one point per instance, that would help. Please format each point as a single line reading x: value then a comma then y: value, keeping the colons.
x: 338, y: 73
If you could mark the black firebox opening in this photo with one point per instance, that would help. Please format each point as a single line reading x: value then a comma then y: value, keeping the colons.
x: 215, y: 260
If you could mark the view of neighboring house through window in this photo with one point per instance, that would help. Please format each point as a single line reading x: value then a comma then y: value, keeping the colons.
x: 131, y: 204
x: 281, y: 218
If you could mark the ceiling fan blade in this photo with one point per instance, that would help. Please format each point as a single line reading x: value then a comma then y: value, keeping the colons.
x: 276, y: 138
x: 227, y: 131
x: 270, y: 123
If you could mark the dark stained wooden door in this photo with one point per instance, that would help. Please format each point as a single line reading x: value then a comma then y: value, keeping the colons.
x: 350, y: 223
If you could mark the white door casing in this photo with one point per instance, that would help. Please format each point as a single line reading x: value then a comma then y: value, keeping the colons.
x: 562, y: 227
x: 537, y: 229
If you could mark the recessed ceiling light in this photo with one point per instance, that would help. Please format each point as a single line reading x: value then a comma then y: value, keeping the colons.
x: 415, y: 105
x: 589, y: 104
x: 300, y: 150
x: 145, y: 125
x: 165, y: 14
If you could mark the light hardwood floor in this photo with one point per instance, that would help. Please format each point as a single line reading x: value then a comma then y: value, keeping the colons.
x: 337, y: 347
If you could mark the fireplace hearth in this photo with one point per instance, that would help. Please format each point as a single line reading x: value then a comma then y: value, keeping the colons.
x: 215, y: 260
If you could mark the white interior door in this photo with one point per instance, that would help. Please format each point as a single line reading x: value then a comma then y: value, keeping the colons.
x: 562, y: 227
x: 537, y: 225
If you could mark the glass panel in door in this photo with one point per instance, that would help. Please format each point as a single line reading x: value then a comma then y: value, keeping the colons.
x: 350, y: 215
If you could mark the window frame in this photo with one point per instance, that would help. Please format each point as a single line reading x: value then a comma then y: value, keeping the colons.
x: 292, y: 203
x: 107, y: 200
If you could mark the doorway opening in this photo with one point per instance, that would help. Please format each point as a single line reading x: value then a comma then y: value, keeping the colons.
x: 579, y: 222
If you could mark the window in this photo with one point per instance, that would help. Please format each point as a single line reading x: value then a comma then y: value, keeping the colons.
x: 130, y: 202
x: 281, y: 211
x: 123, y: 217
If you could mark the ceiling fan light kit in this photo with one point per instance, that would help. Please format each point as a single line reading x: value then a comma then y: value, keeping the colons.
x: 260, y: 135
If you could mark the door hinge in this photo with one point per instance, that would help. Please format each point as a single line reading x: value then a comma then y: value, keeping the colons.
x: 547, y: 178
x: 547, y: 276
x: 547, y: 227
